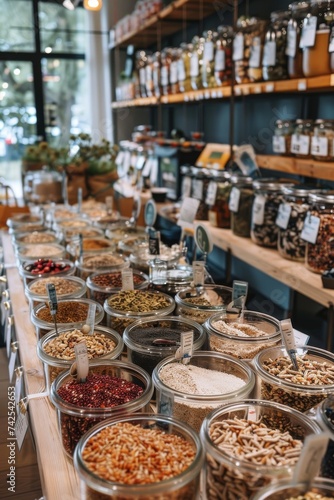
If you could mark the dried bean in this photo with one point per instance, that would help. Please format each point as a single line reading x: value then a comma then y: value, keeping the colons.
x: 266, y: 234
x: 62, y: 286
x: 67, y: 312
x: 138, y: 301
x: 320, y: 256
x: 290, y: 244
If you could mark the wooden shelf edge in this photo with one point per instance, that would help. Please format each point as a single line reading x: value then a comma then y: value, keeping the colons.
x: 290, y: 165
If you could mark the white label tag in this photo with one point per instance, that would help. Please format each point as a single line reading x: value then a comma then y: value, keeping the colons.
x: 233, y: 203
x: 181, y: 71
x: 198, y: 272
x: 90, y: 320
x: 238, y: 47
x: 288, y: 335
x: 186, y: 187
x: 279, y: 144
x: 127, y: 279
x: 197, y: 189
x: 310, y: 229
x: 148, y: 75
x: 21, y: 427
x: 82, y: 362
x: 18, y: 384
x: 211, y: 193
x: 319, y: 146
x: 140, y: 162
x: 308, y: 34
x: 164, y: 76
x: 291, y: 44
x: 147, y: 168
x: 308, y: 465
x: 119, y: 158
x: 283, y: 215
x: 208, y: 51
x: 300, y: 337
x: 185, y: 351
x: 188, y: 212
x: 239, y: 291
x: 269, y: 53
x: 194, y: 65
x: 11, y: 364
x: 173, y: 72
x: 8, y: 335
x: 220, y: 60
x: 300, y: 144
x: 154, y: 171
x: 258, y: 209
x: 126, y: 161
x: 255, y: 53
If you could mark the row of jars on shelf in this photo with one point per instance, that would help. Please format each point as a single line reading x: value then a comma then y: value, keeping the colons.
x: 297, y: 220
x: 143, y: 10
x: 305, y: 139
x: 296, y: 43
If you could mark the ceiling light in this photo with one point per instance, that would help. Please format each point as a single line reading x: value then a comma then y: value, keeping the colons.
x: 92, y: 4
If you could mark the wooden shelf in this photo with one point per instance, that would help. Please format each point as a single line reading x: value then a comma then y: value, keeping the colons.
x: 144, y: 101
x: 290, y: 165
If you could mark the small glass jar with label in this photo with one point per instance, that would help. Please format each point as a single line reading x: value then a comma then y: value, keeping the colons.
x: 141, y: 60
x: 196, y: 62
x: 257, y: 35
x: 156, y: 73
x: 282, y: 137
x: 294, y: 53
x: 318, y: 232
x: 268, y: 196
x: 315, y: 38
x: 223, y: 55
x: 241, y: 48
x: 240, y: 205
x: 217, y: 200
x: 149, y: 76
x: 173, y: 72
x: 186, y: 181
x: 290, y: 221
x: 199, y: 188
x: 301, y: 139
x: 274, y: 62
x: 208, y: 61
x: 322, y: 141
x: 183, y: 68
x: 165, y: 72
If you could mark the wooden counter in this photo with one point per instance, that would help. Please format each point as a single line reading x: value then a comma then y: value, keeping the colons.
x: 58, y: 477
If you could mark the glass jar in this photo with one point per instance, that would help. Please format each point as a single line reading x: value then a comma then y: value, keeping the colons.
x: 173, y: 71
x: 217, y: 199
x: 208, y: 61
x: 141, y: 72
x: 107, y: 261
x: 301, y: 390
x: 196, y: 61
x: 274, y: 62
x: 241, y: 48
x: 141, y: 258
x: 282, y: 137
x: 189, y: 392
x: 257, y: 36
x: 67, y: 287
x: 223, y: 55
x: 165, y: 71
x: 149, y: 84
x: 290, y: 221
x: 37, y: 251
x: 183, y: 68
x: 74, y: 419
x: 199, y: 188
x: 301, y: 139
x: 322, y: 140
x: 320, y: 254
x: 29, y: 271
x: 229, y: 472
x: 319, y: 488
x: 268, y: 196
x: 293, y: 51
x: 173, y: 437
x: 156, y: 73
x: 315, y: 38
x: 151, y: 340
x: 242, y: 337
x: 240, y: 205
x: 102, y: 285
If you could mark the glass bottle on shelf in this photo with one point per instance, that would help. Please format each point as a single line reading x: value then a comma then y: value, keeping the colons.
x: 301, y: 139
x: 208, y: 59
x: 257, y: 35
x: 274, y: 62
x: 282, y: 137
x: 217, y: 199
x: 149, y: 76
x: 240, y: 205
x: 241, y: 49
x: 293, y: 51
x: 315, y: 38
x: 223, y: 55
x: 141, y: 60
x: 173, y: 73
x: 165, y: 71
x: 322, y: 140
x: 156, y: 76
x: 183, y: 68
x: 196, y: 62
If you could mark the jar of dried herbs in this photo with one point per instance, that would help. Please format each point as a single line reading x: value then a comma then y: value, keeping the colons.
x: 240, y: 205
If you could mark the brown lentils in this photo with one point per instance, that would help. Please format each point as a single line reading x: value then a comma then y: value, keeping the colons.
x: 67, y: 312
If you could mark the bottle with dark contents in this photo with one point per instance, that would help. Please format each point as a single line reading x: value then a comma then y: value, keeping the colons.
x: 223, y: 55
x: 173, y: 73
x: 141, y: 60
x: 322, y: 140
x: 156, y: 75
x: 218, y: 200
x: 199, y: 188
x: 240, y: 205
x: 274, y: 62
x: 183, y: 69
x: 149, y: 76
x: 241, y: 48
x: 294, y: 53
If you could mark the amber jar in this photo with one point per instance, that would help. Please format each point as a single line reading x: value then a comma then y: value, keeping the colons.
x: 240, y: 205
x: 156, y: 74
x: 165, y: 71
x: 322, y: 141
x: 183, y: 68
x: 196, y: 61
x: 218, y: 199
x: 274, y: 62
x: 208, y: 60
x: 294, y: 53
x: 223, y: 55
x: 301, y: 139
x: 316, y: 57
x: 282, y: 137
x: 257, y: 35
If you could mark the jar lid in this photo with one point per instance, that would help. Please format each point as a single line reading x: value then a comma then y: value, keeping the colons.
x: 322, y: 197
x: 242, y: 179
x: 270, y: 184
x: 300, y: 121
x: 279, y: 15
x: 324, y: 121
x: 299, y: 7
x: 300, y: 190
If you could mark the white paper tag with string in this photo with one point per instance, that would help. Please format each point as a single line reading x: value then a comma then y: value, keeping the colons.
x: 82, y: 363
x: 185, y: 351
x: 127, y: 279
x: 198, y: 272
x: 309, y: 462
x: 12, y: 360
x: 90, y: 320
x: 21, y: 427
x: 311, y: 228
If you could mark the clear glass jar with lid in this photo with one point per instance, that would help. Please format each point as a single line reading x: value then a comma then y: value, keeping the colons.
x: 319, y: 252
x: 149, y: 76
x: 156, y: 75
x: 223, y: 55
x: 257, y: 36
x: 196, y: 61
x: 322, y: 140
x: 290, y: 222
x: 294, y: 53
x: 208, y: 60
x: 242, y: 47
x: 199, y: 187
x: 173, y: 71
x: 183, y: 68
x: 141, y: 60
x: 217, y: 199
x: 282, y: 137
x: 165, y: 71
x: 301, y: 139
x: 316, y: 37
x: 274, y: 62
x: 240, y: 205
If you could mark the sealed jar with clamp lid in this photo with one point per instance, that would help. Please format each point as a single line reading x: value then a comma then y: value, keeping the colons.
x: 320, y: 220
x: 293, y: 51
x: 165, y: 71
x: 217, y: 199
x: 274, y: 63
x: 282, y: 137
x: 301, y: 139
x: 223, y: 55
x: 242, y: 47
x: 322, y: 141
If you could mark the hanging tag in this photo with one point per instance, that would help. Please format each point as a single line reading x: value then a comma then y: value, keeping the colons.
x: 300, y: 144
x: 197, y: 191
x: 147, y: 168
x: 211, y: 193
x: 283, y: 215
x: 308, y: 34
x: 186, y: 187
x: 310, y: 229
x: 300, y: 337
x: 90, y: 320
x: 188, y: 212
x: 109, y: 205
x: 150, y: 213
x: 239, y: 291
x: 291, y: 42
x: 233, y: 203
x: 140, y: 162
x: 154, y: 243
x: 279, y: 144
x: 10, y: 323
x: 12, y: 360
x: 269, y: 53
x: 220, y: 60
x: 154, y: 171
x: 185, y: 351
x: 82, y: 363
x: 255, y: 53
x: 309, y: 462
x: 319, y: 146
x: 53, y: 304
x: 79, y: 200
x: 21, y: 427
x: 238, y: 47
x: 198, y: 272
x: 258, y: 209
x: 4, y: 299
x: 127, y: 279
x: 203, y: 239
x: 18, y: 383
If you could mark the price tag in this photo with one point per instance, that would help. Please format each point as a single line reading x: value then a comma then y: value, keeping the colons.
x: 188, y: 212
x: 21, y: 427
x: 186, y: 187
x: 173, y: 72
x: 258, y: 209
x: 300, y: 337
x: 269, y: 87
x: 238, y: 47
x: 300, y: 144
x: 79, y: 200
x: 208, y: 51
x: 269, y: 53
x: 165, y: 402
x: 310, y: 229
x: 194, y: 66
x: 203, y: 239
x: 185, y: 351
x: 331, y: 41
x: 82, y: 363
x: 198, y: 272
x: 18, y: 383
x: 279, y: 144
x: 302, y: 85
x: 283, y: 215
x: 154, y: 243
x: 211, y: 193
x: 90, y: 320
x: 319, y: 146
x: 197, y: 189
x: 12, y: 360
x: 239, y: 291
x: 308, y: 33
x: 233, y: 203
x: 127, y: 279
x: 220, y: 60
x: 288, y: 335
x: 181, y: 71
x: 291, y: 43
x: 150, y: 213
x: 312, y: 453
x: 154, y: 171
x: 255, y: 53
x: 53, y: 304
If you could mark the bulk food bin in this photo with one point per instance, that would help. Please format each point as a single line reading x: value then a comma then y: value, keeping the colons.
x: 45, y: 268
x: 67, y: 287
x: 319, y: 489
x: 199, y: 303
x: 102, y: 284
